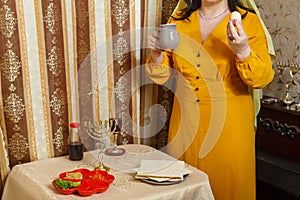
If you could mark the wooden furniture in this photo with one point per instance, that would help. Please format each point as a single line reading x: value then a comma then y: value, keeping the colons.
x: 278, y: 152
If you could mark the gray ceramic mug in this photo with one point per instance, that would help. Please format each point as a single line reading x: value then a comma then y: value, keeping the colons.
x: 169, y: 36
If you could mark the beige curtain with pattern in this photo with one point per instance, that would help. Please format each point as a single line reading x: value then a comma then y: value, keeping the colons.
x: 151, y: 94
x: 65, y: 60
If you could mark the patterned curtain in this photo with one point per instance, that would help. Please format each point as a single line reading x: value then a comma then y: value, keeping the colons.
x: 152, y: 94
x: 65, y: 60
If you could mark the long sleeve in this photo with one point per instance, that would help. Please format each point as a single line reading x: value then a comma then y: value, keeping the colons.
x: 159, y: 73
x: 256, y: 70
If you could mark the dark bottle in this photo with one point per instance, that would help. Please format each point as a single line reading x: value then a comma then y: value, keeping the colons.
x: 75, y: 144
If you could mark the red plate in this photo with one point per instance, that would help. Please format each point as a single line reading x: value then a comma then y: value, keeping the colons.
x: 90, y: 187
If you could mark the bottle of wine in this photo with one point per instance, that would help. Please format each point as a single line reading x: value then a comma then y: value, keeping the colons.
x: 74, y: 142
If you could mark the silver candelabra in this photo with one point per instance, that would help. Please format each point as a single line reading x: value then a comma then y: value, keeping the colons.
x: 100, y: 132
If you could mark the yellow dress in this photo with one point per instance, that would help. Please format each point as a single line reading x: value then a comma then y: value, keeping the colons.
x: 212, y: 121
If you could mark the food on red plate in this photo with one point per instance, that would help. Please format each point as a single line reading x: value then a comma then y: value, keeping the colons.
x: 84, y: 181
x: 76, y: 174
x: 65, y: 184
x: 100, y: 175
x: 97, y: 176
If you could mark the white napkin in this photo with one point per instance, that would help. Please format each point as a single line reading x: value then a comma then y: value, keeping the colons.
x: 162, y: 170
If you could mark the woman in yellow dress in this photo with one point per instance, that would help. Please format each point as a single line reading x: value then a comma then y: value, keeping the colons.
x: 216, y: 62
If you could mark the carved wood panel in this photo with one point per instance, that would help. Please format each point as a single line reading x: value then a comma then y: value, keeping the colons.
x: 278, y: 131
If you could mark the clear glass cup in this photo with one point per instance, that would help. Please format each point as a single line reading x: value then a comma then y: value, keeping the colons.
x: 115, y: 124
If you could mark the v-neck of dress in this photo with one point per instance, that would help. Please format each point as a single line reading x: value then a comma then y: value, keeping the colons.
x: 216, y: 29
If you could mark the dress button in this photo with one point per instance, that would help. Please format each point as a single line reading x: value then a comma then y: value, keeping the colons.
x: 197, y: 77
x: 198, y: 100
x: 196, y: 89
x: 198, y: 65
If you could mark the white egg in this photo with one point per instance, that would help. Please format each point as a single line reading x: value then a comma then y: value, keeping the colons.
x: 235, y: 15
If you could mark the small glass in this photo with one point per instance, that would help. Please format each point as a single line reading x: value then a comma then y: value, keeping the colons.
x: 115, y: 124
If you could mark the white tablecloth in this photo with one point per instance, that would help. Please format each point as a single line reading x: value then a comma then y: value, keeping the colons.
x: 33, y: 180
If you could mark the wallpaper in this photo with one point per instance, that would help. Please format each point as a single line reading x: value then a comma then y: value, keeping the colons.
x: 282, y: 21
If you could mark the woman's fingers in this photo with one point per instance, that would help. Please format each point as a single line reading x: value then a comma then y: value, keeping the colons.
x: 239, y: 27
x: 235, y: 31
x: 232, y: 31
x: 237, y: 39
x: 153, y: 41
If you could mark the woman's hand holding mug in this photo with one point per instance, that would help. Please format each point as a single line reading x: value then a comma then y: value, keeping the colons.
x: 166, y: 38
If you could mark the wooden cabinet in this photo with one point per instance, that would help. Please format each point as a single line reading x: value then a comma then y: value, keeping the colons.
x: 278, y: 151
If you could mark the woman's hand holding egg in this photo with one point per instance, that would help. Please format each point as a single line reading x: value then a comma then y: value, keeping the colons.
x: 238, y: 40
